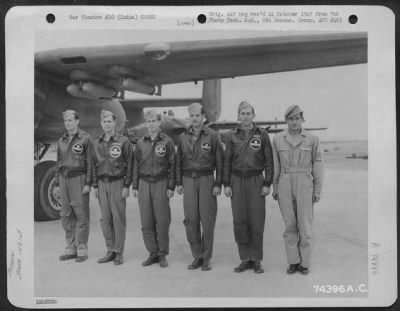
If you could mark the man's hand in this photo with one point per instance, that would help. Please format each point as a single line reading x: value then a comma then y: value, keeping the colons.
x: 86, y: 189
x: 228, y: 192
x: 170, y: 193
x: 125, y: 192
x: 96, y: 192
x: 57, y: 192
x: 275, y: 194
x: 265, y: 191
x: 316, y: 198
x: 216, y: 191
x: 179, y: 189
x: 135, y: 193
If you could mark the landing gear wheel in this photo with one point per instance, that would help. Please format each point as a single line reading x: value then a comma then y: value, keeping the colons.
x: 47, y: 205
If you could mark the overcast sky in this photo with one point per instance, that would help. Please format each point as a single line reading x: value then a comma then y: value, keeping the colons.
x: 334, y: 97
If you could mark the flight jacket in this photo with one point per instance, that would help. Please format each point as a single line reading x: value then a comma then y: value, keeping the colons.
x: 74, y: 157
x: 113, y: 158
x: 199, y: 156
x: 154, y: 160
x: 245, y: 157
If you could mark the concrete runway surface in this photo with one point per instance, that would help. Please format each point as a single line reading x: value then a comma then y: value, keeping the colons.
x: 340, y: 251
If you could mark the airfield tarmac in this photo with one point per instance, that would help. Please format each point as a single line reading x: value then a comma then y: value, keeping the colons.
x: 340, y: 250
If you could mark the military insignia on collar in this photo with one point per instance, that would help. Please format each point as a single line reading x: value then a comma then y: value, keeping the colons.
x: 255, y: 143
x: 206, y: 146
x: 115, y: 151
x: 77, y: 148
x: 161, y: 150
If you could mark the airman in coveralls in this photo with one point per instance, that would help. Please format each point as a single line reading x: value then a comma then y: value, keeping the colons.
x: 73, y: 182
x: 112, y: 177
x: 199, y: 154
x: 297, y: 186
x: 248, y: 153
x: 154, y: 184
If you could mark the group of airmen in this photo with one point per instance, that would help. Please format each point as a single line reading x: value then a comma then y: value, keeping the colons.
x: 198, y: 168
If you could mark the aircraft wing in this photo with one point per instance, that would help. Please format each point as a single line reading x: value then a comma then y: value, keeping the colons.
x: 277, y: 130
x: 161, y: 63
x: 227, y: 125
x: 224, y: 126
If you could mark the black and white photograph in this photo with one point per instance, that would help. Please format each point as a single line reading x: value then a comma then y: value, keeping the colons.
x: 200, y: 157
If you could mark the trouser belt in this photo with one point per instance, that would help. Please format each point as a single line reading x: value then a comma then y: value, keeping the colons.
x: 69, y: 174
x: 291, y: 170
x: 246, y: 174
x: 106, y: 178
x: 153, y: 178
x: 196, y: 174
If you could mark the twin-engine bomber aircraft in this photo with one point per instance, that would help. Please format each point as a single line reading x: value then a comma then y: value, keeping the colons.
x: 94, y: 78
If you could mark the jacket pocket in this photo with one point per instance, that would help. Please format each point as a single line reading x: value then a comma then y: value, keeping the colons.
x: 305, y: 156
x: 284, y: 156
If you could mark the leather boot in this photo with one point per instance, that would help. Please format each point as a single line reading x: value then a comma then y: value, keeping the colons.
x: 197, y: 262
x: 107, y: 257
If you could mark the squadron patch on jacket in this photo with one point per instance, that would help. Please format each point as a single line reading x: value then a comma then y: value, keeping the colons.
x: 161, y: 150
x: 77, y: 148
x: 115, y: 151
x: 206, y: 146
x: 255, y: 143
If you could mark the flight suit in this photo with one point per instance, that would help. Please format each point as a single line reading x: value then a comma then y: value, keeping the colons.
x: 153, y: 175
x: 297, y: 176
x: 196, y: 160
x: 246, y: 157
x: 73, y: 172
x: 113, y: 162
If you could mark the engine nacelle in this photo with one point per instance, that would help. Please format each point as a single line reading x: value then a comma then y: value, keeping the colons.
x: 138, y: 87
x: 97, y: 90
x: 90, y: 90
x: 75, y: 91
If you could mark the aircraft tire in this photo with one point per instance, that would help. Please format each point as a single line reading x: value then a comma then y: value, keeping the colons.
x: 47, y: 206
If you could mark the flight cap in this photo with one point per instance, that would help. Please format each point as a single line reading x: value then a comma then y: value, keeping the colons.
x: 152, y: 114
x: 292, y: 111
x: 70, y: 112
x: 244, y: 105
x: 195, y: 107
x: 106, y: 113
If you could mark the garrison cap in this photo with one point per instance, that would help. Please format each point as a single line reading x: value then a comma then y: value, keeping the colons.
x: 106, y: 113
x: 70, y: 112
x: 195, y: 106
x: 292, y: 111
x: 244, y: 105
x: 152, y: 114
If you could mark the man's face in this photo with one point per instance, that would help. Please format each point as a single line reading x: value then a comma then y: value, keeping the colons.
x: 246, y: 116
x: 70, y: 123
x: 153, y: 124
x: 108, y: 124
x: 295, y: 122
x: 196, y: 117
